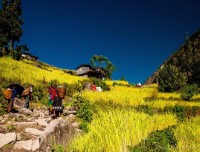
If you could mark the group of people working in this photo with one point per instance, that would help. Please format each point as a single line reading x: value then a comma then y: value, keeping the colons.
x: 56, y: 94
x: 13, y: 90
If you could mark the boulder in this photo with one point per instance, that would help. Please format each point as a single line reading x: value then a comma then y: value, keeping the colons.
x: 34, y: 131
x: 7, y: 138
x: 27, y: 145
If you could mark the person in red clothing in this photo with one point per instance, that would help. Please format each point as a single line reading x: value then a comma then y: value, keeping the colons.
x: 57, y: 102
x: 93, y: 87
x: 51, y: 96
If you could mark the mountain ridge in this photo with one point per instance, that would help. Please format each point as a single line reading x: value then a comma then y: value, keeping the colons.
x: 186, y: 59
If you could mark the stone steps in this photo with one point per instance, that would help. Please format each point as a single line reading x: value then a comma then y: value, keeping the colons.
x: 34, y: 129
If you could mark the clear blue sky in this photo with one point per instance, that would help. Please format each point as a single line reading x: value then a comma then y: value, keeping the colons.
x: 137, y: 36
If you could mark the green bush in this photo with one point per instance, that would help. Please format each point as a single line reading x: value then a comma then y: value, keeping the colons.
x: 3, y: 103
x: 100, y: 83
x: 71, y: 89
x: 183, y: 112
x: 39, y: 92
x: 83, y: 108
x: 146, y: 109
x: 84, y: 126
x: 55, y: 147
x: 158, y: 141
x: 170, y: 79
x: 84, y: 111
x: 189, y: 91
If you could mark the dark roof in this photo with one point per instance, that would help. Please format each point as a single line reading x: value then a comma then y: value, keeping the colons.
x: 30, y: 55
x: 92, y: 72
x: 85, y: 65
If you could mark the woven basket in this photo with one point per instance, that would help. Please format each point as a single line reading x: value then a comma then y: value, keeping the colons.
x: 7, y: 93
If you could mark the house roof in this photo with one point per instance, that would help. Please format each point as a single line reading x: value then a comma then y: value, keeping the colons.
x: 92, y: 72
x: 84, y: 65
x: 25, y: 53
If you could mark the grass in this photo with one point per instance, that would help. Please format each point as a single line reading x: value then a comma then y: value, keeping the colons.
x: 116, y: 125
x: 187, y: 135
x: 115, y: 129
x: 27, y: 72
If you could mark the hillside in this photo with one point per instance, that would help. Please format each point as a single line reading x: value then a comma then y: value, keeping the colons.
x: 29, y: 72
x: 186, y: 58
x: 121, y: 118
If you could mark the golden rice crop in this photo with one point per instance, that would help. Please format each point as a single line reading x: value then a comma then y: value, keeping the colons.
x: 160, y: 103
x: 168, y: 95
x: 115, y: 129
x: 110, y: 82
x: 120, y: 95
x: 187, y: 135
x: 30, y: 73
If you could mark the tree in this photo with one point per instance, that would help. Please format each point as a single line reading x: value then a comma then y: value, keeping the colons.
x: 110, y: 68
x: 98, y: 61
x: 103, y: 62
x: 170, y: 79
x: 122, y: 78
x: 16, y: 54
x: 11, y: 23
x: 189, y: 91
x: 3, y: 38
x: 195, y: 74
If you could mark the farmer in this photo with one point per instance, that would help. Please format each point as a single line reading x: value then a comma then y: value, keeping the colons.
x: 52, y: 94
x: 27, y: 94
x: 56, y: 97
x: 9, y: 94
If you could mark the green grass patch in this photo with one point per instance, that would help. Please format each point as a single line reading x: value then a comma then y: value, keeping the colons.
x: 158, y: 141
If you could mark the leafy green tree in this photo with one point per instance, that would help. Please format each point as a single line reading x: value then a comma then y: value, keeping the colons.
x: 11, y: 23
x: 103, y: 62
x: 189, y: 91
x: 3, y: 38
x: 99, y: 61
x: 170, y: 79
x: 16, y: 54
x: 122, y: 78
x: 195, y: 74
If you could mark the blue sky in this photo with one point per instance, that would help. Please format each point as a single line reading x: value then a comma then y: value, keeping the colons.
x: 137, y: 36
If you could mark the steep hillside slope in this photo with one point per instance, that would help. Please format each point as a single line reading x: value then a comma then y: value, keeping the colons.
x: 29, y: 72
x: 186, y: 58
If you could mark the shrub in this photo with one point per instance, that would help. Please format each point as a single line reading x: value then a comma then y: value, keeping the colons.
x: 39, y: 92
x: 55, y: 147
x: 84, y: 126
x: 189, y: 91
x: 170, y: 79
x: 3, y: 103
x: 71, y: 89
x: 146, y: 109
x: 183, y: 112
x: 100, y: 83
x: 84, y: 111
x: 83, y: 108
x: 158, y: 141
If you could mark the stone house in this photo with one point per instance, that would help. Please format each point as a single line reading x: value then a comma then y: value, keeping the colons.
x: 86, y: 70
x: 29, y: 56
